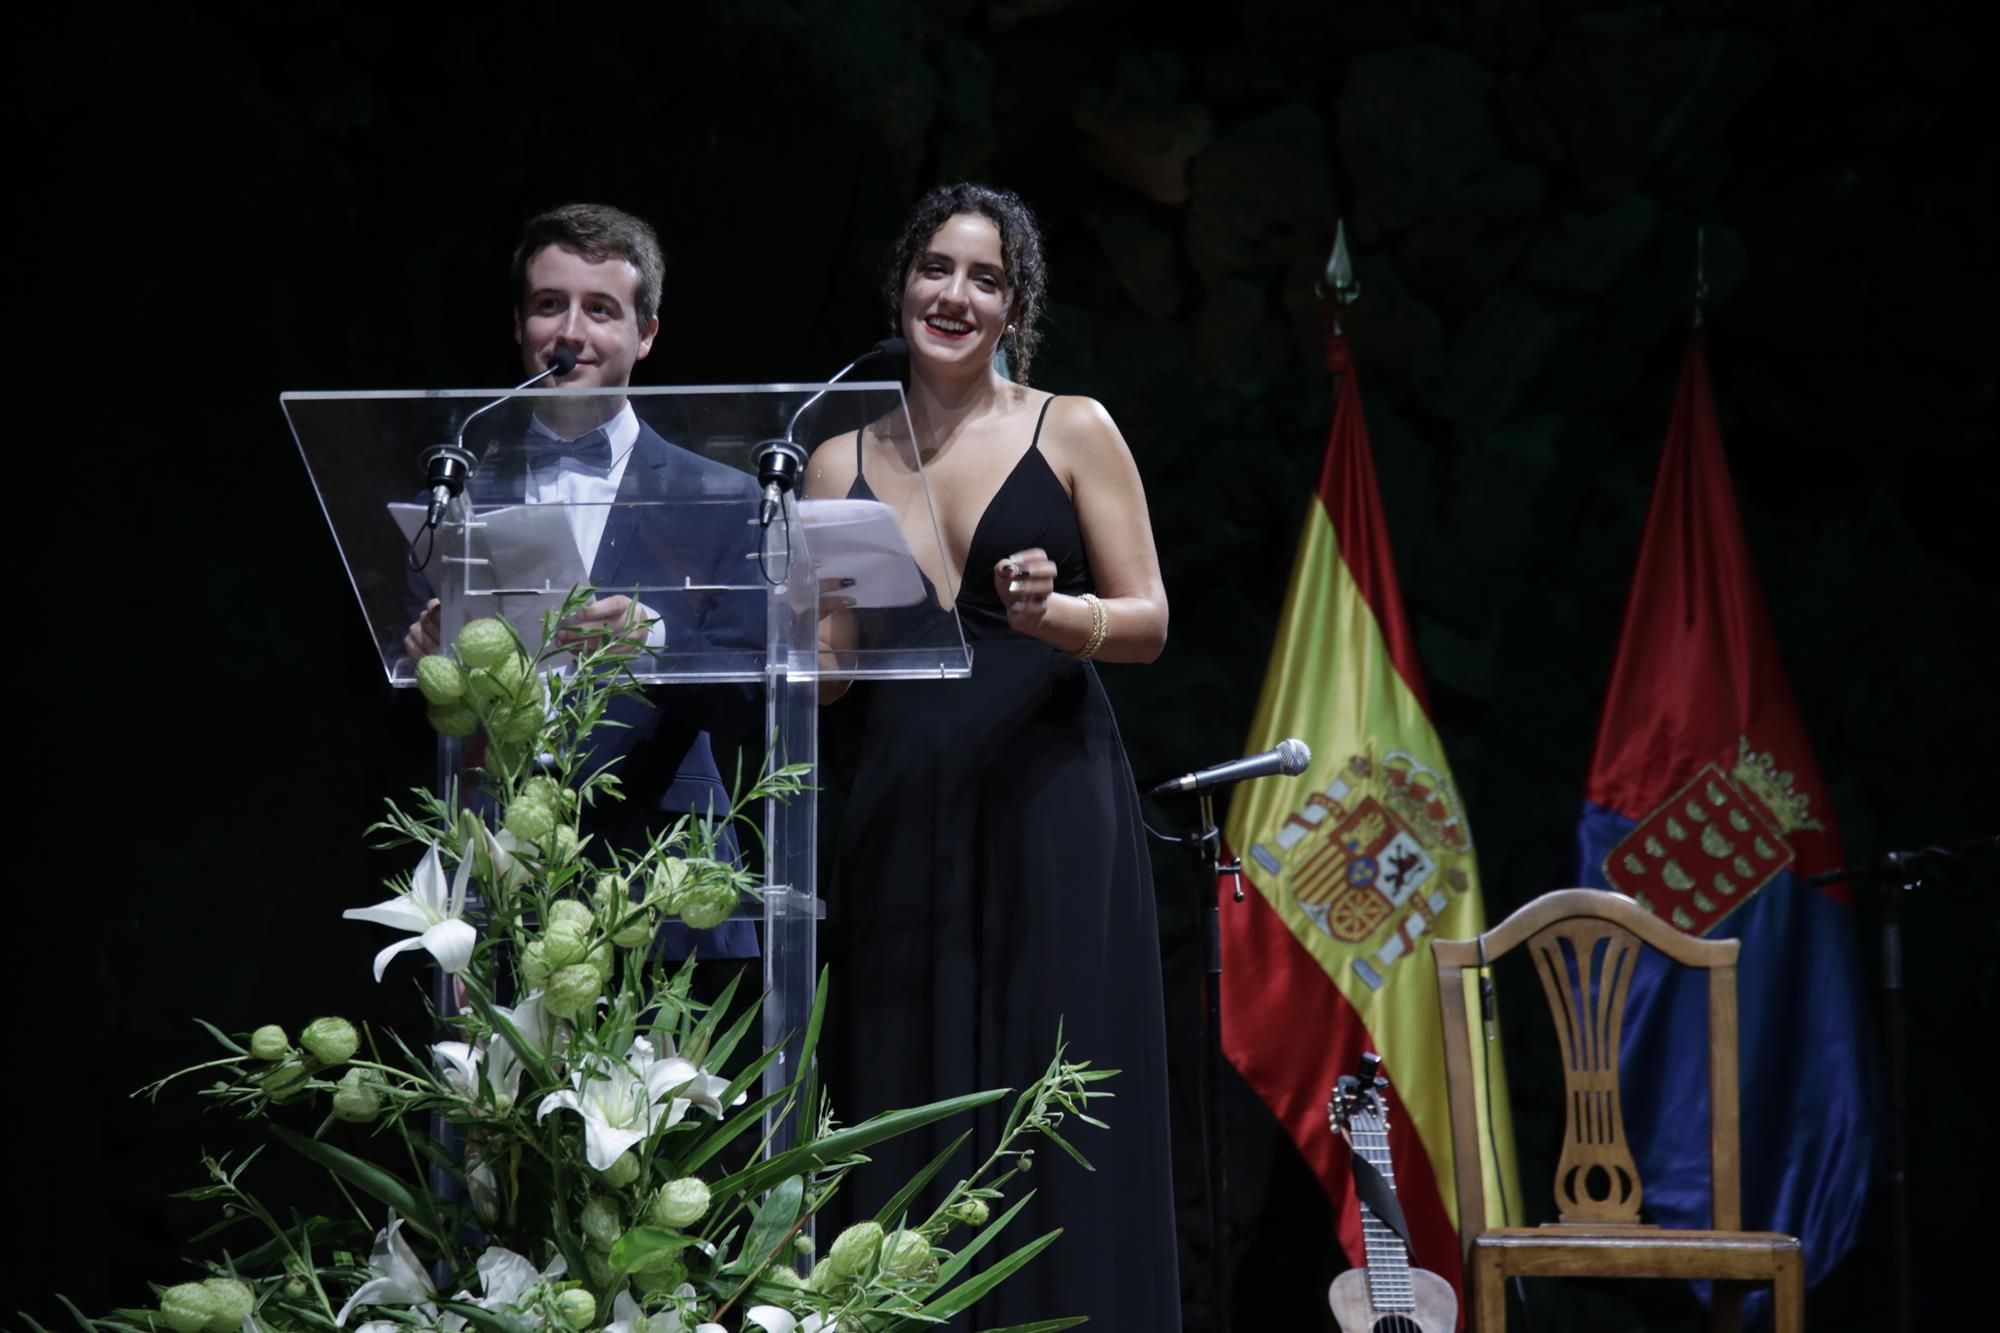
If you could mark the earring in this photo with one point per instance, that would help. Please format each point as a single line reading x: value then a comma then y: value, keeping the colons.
x: 1009, y: 330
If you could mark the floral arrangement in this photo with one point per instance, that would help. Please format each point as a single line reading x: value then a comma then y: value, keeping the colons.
x: 577, y: 1148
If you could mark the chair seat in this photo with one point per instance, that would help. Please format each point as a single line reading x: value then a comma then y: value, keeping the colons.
x: 1570, y: 1251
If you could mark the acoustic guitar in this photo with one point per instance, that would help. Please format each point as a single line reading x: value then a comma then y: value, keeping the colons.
x: 1388, y: 1295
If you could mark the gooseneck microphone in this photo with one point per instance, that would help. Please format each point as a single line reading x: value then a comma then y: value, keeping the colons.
x: 780, y: 461
x: 446, y: 466
x: 1288, y: 758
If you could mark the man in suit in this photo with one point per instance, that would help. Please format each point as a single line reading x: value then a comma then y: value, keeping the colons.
x: 587, y: 281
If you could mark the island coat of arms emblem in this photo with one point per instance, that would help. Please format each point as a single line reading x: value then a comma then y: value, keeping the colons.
x: 1714, y: 843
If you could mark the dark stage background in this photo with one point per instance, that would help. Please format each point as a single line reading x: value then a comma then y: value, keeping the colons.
x: 214, y: 208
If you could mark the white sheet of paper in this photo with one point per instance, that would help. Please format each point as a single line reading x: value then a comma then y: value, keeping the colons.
x: 529, y: 562
x: 861, y: 540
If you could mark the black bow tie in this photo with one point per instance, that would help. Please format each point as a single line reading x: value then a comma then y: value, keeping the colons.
x: 587, y: 453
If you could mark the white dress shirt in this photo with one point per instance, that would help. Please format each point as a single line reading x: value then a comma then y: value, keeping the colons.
x: 590, y: 496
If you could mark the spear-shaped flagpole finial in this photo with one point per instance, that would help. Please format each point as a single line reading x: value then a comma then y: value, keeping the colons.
x: 1700, y: 272
x: 1339, y: 276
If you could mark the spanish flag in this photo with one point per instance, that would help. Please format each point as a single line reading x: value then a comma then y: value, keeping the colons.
x: 1353, y: 868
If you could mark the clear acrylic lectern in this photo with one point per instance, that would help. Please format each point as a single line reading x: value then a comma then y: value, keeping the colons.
x: 679, y: 522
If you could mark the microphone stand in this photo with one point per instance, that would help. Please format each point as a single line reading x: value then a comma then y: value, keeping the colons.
x: 1895, y: 874
x: 1204, y: 845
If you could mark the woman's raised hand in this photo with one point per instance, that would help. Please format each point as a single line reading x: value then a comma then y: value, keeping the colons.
x: 1024, y: 581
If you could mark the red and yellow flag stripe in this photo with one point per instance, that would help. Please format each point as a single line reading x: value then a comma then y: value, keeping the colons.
x: 1354, y: 867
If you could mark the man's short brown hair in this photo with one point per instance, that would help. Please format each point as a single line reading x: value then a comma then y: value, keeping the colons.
x: 598, y: 232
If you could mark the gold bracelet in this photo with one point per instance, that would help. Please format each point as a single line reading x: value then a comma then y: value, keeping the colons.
x: 1099, y: 621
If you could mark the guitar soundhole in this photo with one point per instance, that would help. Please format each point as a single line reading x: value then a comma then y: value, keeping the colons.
x: 1395, y: 1323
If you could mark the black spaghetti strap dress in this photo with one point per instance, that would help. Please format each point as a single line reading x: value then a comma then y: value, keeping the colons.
x: 991, y: 884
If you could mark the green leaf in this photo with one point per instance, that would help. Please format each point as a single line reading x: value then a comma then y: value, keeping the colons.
x: 962, y: 1296
x: 776, y: 1217
x: 220, y: 1039
x: 958, y: 1262
x: 1063, y: 1143
x: 713, y: 1142
x: 810, y: 1157
x: 494, y: 1320
x: 384, y: 1186
x: 640, y: 1245
x: 892, y: 1211
x: 1045, y: 1325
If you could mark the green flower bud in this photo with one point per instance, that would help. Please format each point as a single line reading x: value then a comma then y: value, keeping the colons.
x: 187, y: 1307
x: 502, y: 688
x: 629, y: 924
x: 296, y: 1288
x: 270, y: 1043
x: 455, y: 720
x: 669, y: 876
x: 571, y: 912
x: 564, y: 844
x: 680, y: 1203
x: 571, y: 991
x: 284, y: 1081
x: 623, y: 1170
x: 564, y: 942
x: 577, y: 1307
x: 486, y: 642
x: 707, y: 902
x: 535, y: 967
x: 441, y: 679
x: 778, y: 1275
x: 517, y: 728
x: 852, y: 1251
x: 658, y: 1282
x: 803, y: 1243
x: 331, y: 1041
x: 909, y: 1257
x: 355, y: 1100
x: 531, y: 817
x: 972, y: 1212
x: 233, y: 1302
x: 600, y: 1222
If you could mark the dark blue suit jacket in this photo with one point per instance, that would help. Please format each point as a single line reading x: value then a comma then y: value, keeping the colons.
x: 665, y: 762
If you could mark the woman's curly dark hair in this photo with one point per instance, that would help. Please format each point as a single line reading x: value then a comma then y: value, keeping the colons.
x: 1020, y: 253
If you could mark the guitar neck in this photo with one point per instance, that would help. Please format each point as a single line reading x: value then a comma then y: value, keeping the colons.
x: 1389, y: 1285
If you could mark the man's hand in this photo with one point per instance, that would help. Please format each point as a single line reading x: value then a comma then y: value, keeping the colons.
x: 607, y: 618
x: 421, y: 639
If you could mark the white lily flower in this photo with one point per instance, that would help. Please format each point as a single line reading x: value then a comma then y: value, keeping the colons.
x: 432, y: 910
x: 619, y: 1099
x: 482, y: 1183
x: 398, y: 1278
x: 507, y: 1276
x: 772, y: 1319
x: 536, y: 1026
x: 627, y: 1317
x: 509, y: 870
x: 460, y: 1063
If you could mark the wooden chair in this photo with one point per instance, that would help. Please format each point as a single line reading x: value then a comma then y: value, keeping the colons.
x: 1585, y: 944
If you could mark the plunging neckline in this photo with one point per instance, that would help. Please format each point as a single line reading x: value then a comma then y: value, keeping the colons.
x: 1034, y: 450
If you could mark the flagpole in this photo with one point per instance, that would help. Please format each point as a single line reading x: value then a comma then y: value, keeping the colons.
x: 1895, y: 874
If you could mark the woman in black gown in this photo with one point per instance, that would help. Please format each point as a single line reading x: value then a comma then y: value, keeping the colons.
x: 991, y: 879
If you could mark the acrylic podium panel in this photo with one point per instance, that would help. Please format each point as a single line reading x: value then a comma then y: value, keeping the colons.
x: 733, y: 582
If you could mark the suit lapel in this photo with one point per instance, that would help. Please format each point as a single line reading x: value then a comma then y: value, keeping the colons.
x: 643, y: 480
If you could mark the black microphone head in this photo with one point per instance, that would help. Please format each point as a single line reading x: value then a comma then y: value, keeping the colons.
x: 1294, y: 756
x: 562, y: 360
x: 896, y: 349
